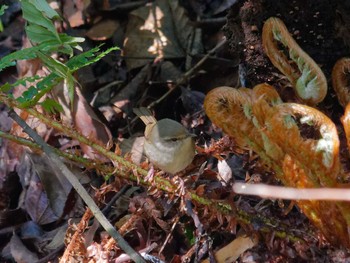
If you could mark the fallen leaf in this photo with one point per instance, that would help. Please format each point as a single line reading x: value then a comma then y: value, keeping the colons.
x: 11, y: 217
x: 20, y: 253
x: 74, y: 10
x: 56, y: 187
x: 192, y: 100
x: 232, y: 251
x: 133, y: 146
x: 168, y: 71
x: 58, y: 239
x: 122, y: 100
x: 157, y: 30
x: 103, y: 30
x: 225, y: 172
x: 87, y: 122
x: 8, y: 161
x: 210, y: 8
x: 44, y: 200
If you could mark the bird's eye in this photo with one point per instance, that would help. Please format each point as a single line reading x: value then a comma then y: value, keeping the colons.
x: 173, y: 139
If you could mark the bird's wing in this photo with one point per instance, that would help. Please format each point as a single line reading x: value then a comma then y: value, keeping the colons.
x: 145, y: 115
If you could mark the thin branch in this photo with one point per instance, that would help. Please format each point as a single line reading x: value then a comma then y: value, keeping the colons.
x: 69, y: 156
x: 125, y: 169
x: 290, y: 193
x: 188, y: 74
x: 137, y: 174
x: 63, y: 170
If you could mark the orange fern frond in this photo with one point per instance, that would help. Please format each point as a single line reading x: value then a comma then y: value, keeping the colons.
x: 308, y: 80
x: 340, y: 80
x: 299, y: 142
x: 329, y: 217
x: 268, y: 92
x: 318, y: 149
x: 346, y: 124
x: 231, y: 110
x: 227, y: 108
x: 265, y: 97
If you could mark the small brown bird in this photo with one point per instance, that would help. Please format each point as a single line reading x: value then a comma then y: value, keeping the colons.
x: 168, y: 144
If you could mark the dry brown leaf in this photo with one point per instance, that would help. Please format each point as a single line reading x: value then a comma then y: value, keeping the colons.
x: 103, y: 30
x: 87, y: 122
x: 233, y: 250
x: 26, y: 68
x: 8, y: 161
x: 20, y: 252
x: 74, y: 11
x: 150, y: 210
x: 133, y: 146
x: 91, y: 232
x: 58, y: 238
x: 168, y: 72
x: 124, y: 98
x: 36, y: 201
x: 57, y: 188
x: 158, y: 30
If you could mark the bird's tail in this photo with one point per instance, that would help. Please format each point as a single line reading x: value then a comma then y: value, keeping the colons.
x: 145, y: 115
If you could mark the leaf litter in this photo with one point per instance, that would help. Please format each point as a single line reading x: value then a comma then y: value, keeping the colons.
x: 159, y: 43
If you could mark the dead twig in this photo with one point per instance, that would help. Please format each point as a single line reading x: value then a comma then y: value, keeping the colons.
x: 290, y: 193
x: 184, y: 79
x: 135, y: 173
x: 63, y: 170
x: 74, y: 246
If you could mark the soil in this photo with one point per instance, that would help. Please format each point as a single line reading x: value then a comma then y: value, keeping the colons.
x: 319, y: 27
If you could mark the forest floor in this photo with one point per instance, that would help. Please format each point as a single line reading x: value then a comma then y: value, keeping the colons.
x: 172, y: 53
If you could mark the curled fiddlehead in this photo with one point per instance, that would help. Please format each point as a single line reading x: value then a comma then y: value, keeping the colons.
x: 346, y: 124
x: 231, y: 110
x: 285, y: 54
x: 268, y: 92
x: 340, y: 80
x: 317, y: 150
x: 311, y: 160
x: 274, y: 130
